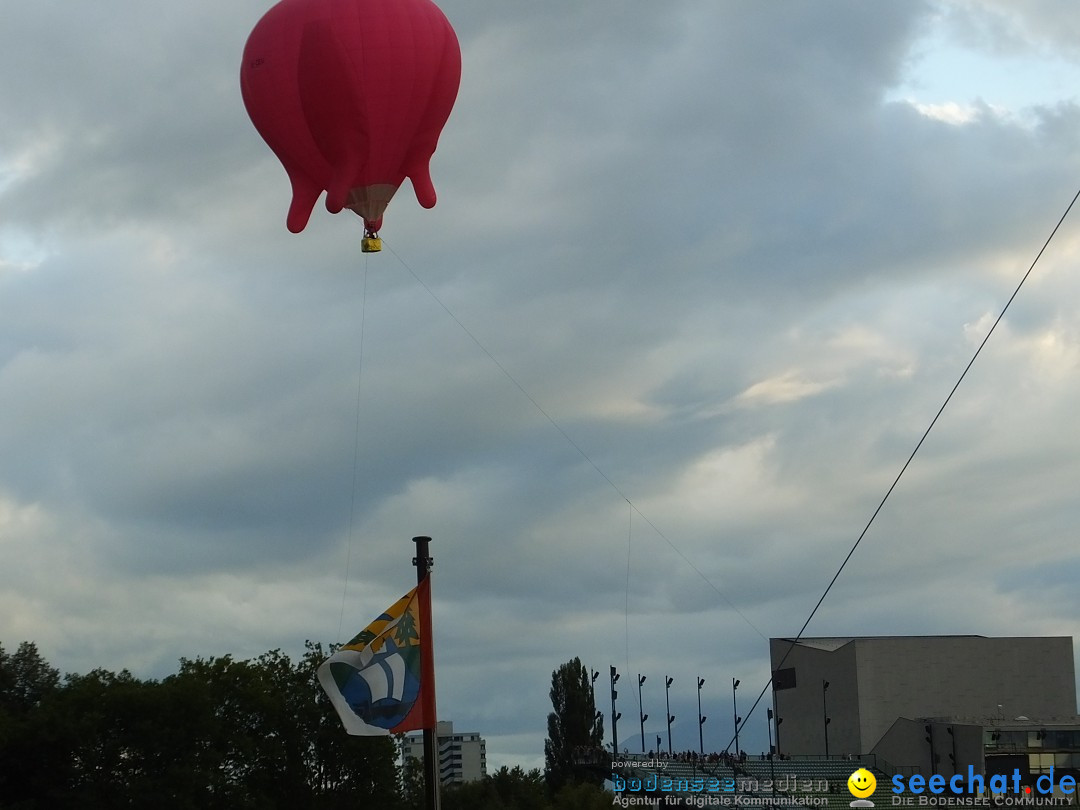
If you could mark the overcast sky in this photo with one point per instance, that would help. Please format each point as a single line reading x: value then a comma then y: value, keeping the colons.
x: 699, y: 276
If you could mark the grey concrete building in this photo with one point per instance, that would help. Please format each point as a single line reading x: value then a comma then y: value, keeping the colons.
x: 844, y: 695
x: 462, y: 756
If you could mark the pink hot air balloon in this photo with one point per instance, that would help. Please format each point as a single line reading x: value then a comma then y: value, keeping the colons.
x: 351, y: 95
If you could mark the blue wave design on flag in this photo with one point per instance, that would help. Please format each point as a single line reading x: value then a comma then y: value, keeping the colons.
x: 382, y: 693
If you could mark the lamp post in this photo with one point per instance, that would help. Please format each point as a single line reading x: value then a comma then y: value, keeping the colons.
x: 772, y: 754
x: 952, y: 756
x: 825, y: 714
x: 614, y: 715
x: 933, y: 754
x: 668, y: 680
x: 735, y: 713
x: 593, y: 675
x: 700, y: 718
x: 641, y: 714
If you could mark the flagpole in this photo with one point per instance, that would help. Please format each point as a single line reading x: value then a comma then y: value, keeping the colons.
x: 423, y: 563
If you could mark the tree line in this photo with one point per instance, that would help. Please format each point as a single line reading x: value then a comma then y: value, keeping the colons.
x: 219, y: 733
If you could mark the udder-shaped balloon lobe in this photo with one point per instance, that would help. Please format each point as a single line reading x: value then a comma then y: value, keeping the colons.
x: 351, y: 95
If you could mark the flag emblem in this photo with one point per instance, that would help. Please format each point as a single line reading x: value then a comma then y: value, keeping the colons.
x: 375, y: 681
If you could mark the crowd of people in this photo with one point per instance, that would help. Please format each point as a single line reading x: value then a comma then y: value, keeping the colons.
x: 594, y: 756
x: 694, y: 757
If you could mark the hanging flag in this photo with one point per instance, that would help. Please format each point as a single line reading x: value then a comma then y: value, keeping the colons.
x: 379, y: 682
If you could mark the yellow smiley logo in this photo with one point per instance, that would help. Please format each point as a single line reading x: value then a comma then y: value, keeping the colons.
x: 862, y: 784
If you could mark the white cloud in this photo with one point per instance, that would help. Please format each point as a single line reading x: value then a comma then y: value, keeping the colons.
x: 949, y: 112
x: 786, y: 387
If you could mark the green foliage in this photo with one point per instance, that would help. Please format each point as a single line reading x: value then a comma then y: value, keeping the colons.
x: 507, y: 789
x: 573, y: 727
x: 220, y: 733
x: 27, y: 755
x: 25, y: 679
x: 582, y: 796
x: 517, y: 789
x: 412, y: 784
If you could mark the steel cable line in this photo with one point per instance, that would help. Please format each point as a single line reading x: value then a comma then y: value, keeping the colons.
x: 907, y: 463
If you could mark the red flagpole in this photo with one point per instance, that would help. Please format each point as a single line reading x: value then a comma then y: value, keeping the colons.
x: 423, y: 563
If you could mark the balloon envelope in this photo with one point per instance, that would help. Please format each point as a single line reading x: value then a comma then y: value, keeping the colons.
x: 351, y: 95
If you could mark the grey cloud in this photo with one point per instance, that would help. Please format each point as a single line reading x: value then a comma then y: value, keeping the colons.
x: 699, y: 236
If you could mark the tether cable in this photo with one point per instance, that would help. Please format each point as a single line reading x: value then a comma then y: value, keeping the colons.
x: 570, y: 440
x: 356, y: 453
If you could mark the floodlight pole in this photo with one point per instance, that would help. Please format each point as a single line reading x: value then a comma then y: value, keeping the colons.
x: 735, y: 714
x: 641, y: 713
x: 825, y: 714
x: 772, y: 753
x: 700, y: 718
x: 668, y: 680
x: 614, y: 715
x: 777, y: 720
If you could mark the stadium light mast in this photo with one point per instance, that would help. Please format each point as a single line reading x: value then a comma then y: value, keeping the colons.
x: 735, y: 713
x: 772, y: 753
x: 700, y: 718
x: 641, y: 714
x: 614, y: 714
x: 668, y: 680
x: 825, y: 714
x: 933, y: 754
x: 593, y: 675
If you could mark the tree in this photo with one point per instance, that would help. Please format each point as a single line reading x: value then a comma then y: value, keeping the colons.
x: 506, y: 789
x: 28, y: 757
x: 125, y: 742
x: 351, y: 771
x: 582, y: 796
x: 413, y: 792
x: 275, y: 740
x: 218, y: 734
x: 25, y: 679
x: 574, y: 728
